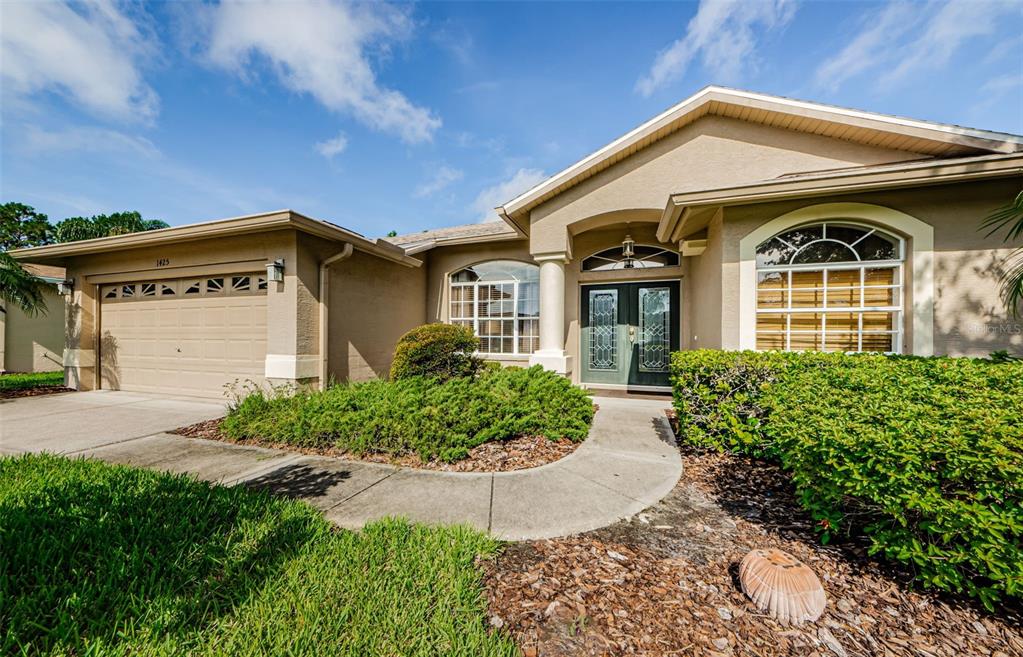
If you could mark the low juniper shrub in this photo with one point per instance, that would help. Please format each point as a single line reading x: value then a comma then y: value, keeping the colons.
x: 418, y: 415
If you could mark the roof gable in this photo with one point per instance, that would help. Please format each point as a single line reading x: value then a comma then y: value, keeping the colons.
x: 891, y: 132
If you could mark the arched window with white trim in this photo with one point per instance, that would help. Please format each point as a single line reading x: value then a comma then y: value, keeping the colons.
x: 500, y: 301
x: 830, y: 286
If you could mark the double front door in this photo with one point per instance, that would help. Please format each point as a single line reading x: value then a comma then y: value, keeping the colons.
x: 628, y: 332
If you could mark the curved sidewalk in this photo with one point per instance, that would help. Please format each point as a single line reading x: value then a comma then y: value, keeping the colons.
x: 628, y: 462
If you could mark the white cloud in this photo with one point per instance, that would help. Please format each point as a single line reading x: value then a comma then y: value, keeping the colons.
x: 87, y: 139
x: 868, y: 48
x: 903, y: 39
x: 442, y: 177
x: 504, y: 191
x: 91, y: 54
x: 332, y: 147
x: 723, y: 33
x: 323, y: 48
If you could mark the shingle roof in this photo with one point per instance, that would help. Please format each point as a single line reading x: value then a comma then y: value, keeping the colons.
x: 467, y: 232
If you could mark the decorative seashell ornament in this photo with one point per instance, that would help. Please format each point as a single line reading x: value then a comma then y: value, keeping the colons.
x: 782, y: 585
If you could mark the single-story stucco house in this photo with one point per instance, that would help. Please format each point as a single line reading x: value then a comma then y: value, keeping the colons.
x: 733, y: 220
x: 34, y: 343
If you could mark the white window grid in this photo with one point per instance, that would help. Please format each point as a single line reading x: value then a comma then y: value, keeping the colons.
x: 896, y: 290
x: 824, y: 309
x: 515, y: 318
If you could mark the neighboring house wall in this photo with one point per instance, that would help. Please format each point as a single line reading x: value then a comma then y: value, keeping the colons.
x: 708, y: 153
x: 373, y: 302
x: 33, y: 344
x: 969, y: 316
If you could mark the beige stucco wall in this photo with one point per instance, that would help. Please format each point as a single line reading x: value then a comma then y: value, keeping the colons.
x: 372, y: 302
x: 710, y: 152
x: 33, y: 344
x: 969, y: 316
x: 704, y: 309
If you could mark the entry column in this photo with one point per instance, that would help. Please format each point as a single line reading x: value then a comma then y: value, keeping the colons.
x: 551, y: 354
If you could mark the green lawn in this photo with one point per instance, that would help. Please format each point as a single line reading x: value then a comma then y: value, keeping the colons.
x: 110, y: 560
x: 30, y: 380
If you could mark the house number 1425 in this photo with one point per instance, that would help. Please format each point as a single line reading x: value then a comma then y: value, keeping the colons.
x: 163, y: 262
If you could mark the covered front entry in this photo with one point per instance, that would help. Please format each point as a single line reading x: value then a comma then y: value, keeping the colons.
x: 185, y: 336
x: 628, y: 332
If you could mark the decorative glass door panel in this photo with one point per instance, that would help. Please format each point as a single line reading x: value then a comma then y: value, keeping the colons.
x: 603, y: 352
x: 653, y: 348
x: 628, y: 332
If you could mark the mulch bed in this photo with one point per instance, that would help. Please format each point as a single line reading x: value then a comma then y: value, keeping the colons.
x: 514, y: 454
x: 665, y: 583
x: 33, y: 392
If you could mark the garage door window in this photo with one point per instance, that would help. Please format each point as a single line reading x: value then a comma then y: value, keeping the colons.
x: 241, y: 285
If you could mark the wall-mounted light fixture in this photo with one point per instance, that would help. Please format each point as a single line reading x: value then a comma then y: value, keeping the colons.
x: 66, y: 287
x: 275, y: 271
x: 628, y: 251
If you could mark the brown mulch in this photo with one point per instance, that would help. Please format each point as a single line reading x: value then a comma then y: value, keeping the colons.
x: 33, y: 392
x: 514, y: 454
x: 664, y: 583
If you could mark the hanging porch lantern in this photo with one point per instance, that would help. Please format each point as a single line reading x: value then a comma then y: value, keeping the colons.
x: 628, y: 252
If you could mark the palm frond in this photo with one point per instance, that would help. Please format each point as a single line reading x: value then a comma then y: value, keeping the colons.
x: 21, y: 288
x: 1012, y: 283
x: 1009, y: 216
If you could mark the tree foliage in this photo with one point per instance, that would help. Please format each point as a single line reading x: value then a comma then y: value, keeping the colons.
x: 74, y: 229
x: 21, y: 226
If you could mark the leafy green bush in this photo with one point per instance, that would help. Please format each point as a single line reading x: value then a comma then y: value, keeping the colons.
x: 440, y: 351
x: 717, y: 394
x: 117, y: 561
x: 924, y: 456
x: 431, y: 418
x: 31, y: 380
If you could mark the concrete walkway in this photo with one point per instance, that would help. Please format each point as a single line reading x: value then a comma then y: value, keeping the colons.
x: 628, y: 463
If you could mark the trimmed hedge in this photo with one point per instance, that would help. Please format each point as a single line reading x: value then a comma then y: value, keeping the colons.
x: 431, y: 418
x: 440, y: 351
x: 924, y: 456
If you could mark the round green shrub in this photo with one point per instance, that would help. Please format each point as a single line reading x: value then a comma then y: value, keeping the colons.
x: 436, y: 351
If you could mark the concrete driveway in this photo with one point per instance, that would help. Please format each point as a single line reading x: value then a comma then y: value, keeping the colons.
x: 70, y: 423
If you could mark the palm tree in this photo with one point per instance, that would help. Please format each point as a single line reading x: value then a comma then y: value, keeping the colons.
x: 1010, y: 217
x: 19, y: 287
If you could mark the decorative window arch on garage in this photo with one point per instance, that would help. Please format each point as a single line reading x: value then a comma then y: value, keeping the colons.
x: 880, y: 266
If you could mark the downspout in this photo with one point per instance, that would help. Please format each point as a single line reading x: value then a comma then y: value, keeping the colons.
x: 344, y: 254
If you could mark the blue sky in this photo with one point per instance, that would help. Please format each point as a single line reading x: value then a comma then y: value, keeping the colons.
x: 404, y: 117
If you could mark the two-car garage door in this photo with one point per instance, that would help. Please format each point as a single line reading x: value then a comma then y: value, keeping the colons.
x: 189, y: 336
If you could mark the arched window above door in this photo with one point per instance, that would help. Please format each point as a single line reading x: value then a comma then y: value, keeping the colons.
x: 643, y: 257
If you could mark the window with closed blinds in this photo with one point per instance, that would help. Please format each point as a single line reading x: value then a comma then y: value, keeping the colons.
x: 830, y: 287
